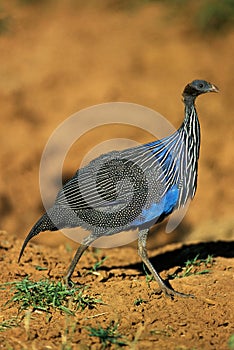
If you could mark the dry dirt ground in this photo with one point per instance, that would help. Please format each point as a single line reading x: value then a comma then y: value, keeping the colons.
x: 57, y: 58
x: 145, y: 320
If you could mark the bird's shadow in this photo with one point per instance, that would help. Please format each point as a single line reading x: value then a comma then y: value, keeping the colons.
x: 179, y: 256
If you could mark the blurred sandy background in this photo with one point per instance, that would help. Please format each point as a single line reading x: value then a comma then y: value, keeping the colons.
x: 57, y: 57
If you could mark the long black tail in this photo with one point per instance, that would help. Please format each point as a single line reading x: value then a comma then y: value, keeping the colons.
x: 43, y: 224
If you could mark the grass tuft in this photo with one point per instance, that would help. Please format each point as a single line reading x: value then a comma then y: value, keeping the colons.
x: 96, y: 266
x: 45, y: 294
x: 10, y: 323
x: 191, y: 267
x: 108, y: 335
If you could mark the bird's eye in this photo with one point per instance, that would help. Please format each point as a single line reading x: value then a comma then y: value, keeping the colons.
x: 201, y: 85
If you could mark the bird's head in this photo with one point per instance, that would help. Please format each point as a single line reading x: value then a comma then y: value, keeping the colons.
x: 198, y: 87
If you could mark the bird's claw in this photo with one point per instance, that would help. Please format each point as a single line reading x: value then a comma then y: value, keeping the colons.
x: 70, y: 284
x: 171, y: 293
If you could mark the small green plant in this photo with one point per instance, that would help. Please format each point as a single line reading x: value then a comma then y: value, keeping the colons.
x: 96, y: 266
x: 108, y: 335
x: 148, y: 277
x: 10, y: 323
x: 68, y: 248
x: 160, y: 332
x: 139, y: 301
x: 191, y: 267
x: 40, y: 268
x: 46, y: 294
x: 231, y: 342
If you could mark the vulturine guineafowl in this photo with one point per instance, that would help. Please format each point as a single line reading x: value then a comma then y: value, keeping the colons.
x: 131, y: 189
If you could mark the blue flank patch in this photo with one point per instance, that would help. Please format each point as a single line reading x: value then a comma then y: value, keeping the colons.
x: 161, y: 149
x: 165, y: 206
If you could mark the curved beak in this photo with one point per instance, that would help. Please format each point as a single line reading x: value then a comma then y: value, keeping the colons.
x: 214, y: 88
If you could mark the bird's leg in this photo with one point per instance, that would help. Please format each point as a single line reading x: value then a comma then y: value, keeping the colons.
x: 142, y: 239
x: 82, y: 248
x: 79, y: 253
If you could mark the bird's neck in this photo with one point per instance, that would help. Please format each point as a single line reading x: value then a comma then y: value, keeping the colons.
x: 189, y: 132
x: 190, y: 117
x: 191, y: 127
